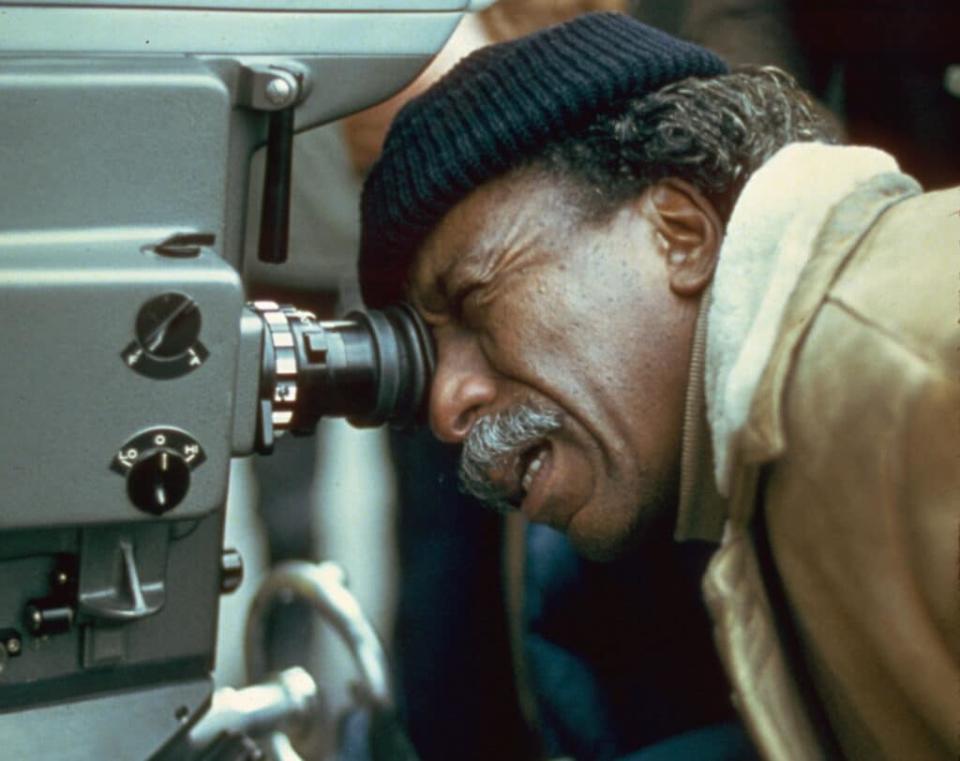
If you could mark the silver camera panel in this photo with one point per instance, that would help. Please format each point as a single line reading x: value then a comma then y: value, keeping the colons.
x: 127, y: 125
x: 73, y: 399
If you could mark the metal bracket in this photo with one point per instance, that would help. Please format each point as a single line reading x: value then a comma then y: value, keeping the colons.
x: 275, y: 90
x: 264, y: 87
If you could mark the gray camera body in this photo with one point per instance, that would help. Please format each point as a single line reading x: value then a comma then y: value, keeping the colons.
x: 131, y: 365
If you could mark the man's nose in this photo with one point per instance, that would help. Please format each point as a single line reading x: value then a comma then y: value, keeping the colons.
x: 463, y: 386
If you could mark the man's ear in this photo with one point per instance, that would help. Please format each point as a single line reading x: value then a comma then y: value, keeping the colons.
x: 688, y: 230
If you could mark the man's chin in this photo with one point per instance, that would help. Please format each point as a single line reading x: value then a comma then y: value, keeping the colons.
x: 604, y: 540
x: 600, y: 543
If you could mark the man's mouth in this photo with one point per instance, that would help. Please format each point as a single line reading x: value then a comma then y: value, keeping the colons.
x: 507, y: 457
x: 530, y: 464
x: 531, y: 461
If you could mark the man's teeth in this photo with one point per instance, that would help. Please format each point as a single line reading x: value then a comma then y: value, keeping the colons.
x: 532, y: 470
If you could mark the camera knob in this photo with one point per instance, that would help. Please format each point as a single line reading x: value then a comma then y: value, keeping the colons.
x: 167, y: 338
x: 159, y: 481
x: 168, y: 325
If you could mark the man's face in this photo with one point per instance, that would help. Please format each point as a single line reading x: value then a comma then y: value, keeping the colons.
x: 535, y: 310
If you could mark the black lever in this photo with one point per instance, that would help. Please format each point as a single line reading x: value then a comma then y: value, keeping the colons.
x: 275, y: 209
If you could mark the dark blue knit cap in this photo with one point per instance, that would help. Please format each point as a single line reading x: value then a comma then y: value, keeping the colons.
x: 496, y: 109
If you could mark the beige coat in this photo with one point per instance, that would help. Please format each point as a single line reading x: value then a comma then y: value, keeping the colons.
x: 851, y: 449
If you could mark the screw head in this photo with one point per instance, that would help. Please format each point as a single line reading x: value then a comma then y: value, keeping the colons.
x: 13, y: 646
x: 279, y: 91
x: 231, y: 571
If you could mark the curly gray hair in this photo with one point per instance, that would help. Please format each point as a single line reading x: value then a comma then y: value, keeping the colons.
x: 713, y: 132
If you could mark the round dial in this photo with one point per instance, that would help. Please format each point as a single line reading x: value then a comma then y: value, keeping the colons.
x: 158, y: 481
x: 168, y: 325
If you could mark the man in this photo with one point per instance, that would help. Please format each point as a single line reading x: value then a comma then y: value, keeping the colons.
x: 661, y: 307
x: 454, y: 675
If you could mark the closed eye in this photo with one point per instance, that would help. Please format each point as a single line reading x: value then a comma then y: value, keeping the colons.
x: 458, y: 303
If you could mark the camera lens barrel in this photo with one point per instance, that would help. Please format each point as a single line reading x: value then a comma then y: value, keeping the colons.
x: 371, y: 367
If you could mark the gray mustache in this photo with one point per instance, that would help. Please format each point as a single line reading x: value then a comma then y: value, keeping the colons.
x: 493, y: 443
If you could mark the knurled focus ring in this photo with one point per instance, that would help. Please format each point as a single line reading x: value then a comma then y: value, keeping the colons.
x: 282, y: 388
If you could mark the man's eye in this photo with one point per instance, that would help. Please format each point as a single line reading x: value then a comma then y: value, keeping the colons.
x: 465, y: 302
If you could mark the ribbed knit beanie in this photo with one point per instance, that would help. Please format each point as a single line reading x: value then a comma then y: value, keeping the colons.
x: 494, y: 110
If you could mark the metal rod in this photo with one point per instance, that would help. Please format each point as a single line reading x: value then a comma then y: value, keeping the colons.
x: 275, y: 208
x: 324, y: 587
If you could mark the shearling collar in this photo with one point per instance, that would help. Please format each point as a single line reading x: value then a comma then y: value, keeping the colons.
x: 770, y: 237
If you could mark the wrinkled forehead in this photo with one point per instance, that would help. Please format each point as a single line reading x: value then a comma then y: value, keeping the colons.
x: 524, y: 209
